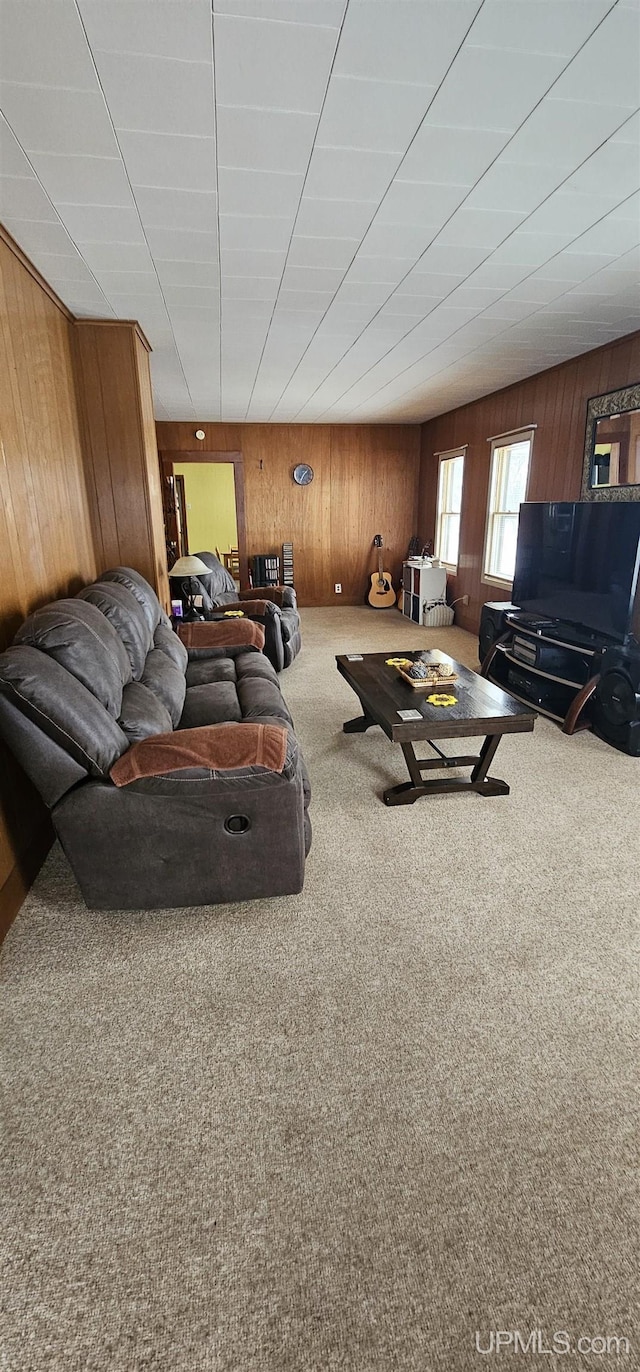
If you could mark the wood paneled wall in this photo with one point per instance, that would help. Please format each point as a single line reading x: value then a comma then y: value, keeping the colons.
x: 554, y: 400
x: 46, y: 548
x: 365, y: 482
x: 114, y: 391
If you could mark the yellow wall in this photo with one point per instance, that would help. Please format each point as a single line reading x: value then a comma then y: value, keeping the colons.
x: 211, y: 505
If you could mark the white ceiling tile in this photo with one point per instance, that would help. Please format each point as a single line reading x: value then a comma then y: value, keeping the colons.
x: 272, y: 65
x: 422, y: 282
x: 470, y: 227
x: 192, y: 297
x: 398, y: 240
x: 66, y: 121
x: 62, y: 267
x: 85, y: 303
x: 563, y: 132
x: 117, y: 257
x: 157, y: 94
x: 102, y: 223
x: 203, y: 275
x: 382, y: 268
x: 409, y: 306
x: 506, y: 186
x: 364, y: 293
x: 499, y: 275
x: 508, y: 309
x: 324, y: 12
x: 257, y: 192
x: 43, y: 44
x: 169, y: 161
x: 551, y: 26
x: 308, y: 300
x: 380, y: 115
x: 610, y: 235
x: 159, y: 28
x: 574, y: 265
x: 484, y: 90
x: 38, y: 235
x: 249, y: 288
x: 172, y: 209
x: 81, y: 180
x: 347, y: 173
x: 444, y: 258
x: 267, y: 140
x: 183, y: 245
x: 529, y: 249
x: 413, y: 41
x: 127, y: 283
x: 242, y: 232
x: 412, y: 202
x: 318, y: 218
x: 252, y: 262
x: 22, y: 197
x: 608, y: 67
x: 312, y: 278
x: 13, y: 161
x: 451, y: 156
x: 322, y: 252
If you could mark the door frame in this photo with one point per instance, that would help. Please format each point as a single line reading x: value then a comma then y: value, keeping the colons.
x: 170, y: 455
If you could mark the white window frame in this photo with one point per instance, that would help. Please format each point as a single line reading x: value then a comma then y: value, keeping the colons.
x: 442, y: 513
x: 497, y: 483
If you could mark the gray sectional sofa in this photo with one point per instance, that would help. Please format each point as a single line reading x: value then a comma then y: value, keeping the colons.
x: 275, y: 607
x: 84, y: 681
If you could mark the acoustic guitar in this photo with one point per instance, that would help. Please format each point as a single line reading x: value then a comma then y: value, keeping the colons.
x: 381, y: 594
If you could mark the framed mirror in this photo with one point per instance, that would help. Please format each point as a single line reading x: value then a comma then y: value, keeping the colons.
x: 611, y: 468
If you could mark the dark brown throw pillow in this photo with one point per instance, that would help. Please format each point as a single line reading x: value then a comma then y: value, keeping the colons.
x: 221, y: 747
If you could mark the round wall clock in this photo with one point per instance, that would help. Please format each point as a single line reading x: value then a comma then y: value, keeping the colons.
x: 303, y: 474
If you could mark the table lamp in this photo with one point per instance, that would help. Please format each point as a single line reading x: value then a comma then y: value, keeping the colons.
x: 183, y: 570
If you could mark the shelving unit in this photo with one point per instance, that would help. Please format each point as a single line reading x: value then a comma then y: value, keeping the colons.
x: 521, y: 662
x: 421, y: 582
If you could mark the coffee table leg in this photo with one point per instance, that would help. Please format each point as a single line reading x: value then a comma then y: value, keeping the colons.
x: 410, y: 791
x: 359, y: 725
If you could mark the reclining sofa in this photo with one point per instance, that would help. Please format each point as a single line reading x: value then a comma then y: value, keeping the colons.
x: 275, y: 607
x: 172, y: 773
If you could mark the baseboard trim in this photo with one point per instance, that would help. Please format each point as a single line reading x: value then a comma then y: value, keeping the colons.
x: 19, y: 881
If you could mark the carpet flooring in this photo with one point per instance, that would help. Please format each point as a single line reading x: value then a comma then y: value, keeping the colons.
x: 347, y: 1129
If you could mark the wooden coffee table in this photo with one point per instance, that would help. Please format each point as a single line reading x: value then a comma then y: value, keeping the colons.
x: 481, y: 708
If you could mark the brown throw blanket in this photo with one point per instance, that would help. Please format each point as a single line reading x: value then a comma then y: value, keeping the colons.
x: 221, y: 747
x: 218, y: 633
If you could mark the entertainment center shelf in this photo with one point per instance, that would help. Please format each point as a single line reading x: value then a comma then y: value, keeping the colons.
x: 546, y: 670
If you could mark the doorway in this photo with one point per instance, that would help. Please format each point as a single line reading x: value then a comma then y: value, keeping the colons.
x: 203, y: 502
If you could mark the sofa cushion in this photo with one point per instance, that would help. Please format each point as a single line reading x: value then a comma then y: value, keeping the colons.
x: 258, y: 697
x: 166, y: 681
x: 205, y: 670
x: 143, y: 592
x: 142, y: 713
x: 214, y: 703
x: 77, y: 636
x: 127, y: 617
x: 169, y: 643
x: 66, y: 710
x: 216, y: 748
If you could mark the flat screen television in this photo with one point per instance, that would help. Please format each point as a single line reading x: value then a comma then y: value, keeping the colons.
x: 579, y: 563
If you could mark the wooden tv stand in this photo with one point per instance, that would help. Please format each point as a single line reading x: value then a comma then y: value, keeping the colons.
x: 549, y: 665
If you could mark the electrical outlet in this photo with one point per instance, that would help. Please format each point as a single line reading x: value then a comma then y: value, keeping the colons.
x: 465, y: 600
x: 338, y: 588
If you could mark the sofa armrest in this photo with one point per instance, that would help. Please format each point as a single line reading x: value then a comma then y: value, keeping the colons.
x: 213, y: 747
x: 221, y: 633
x: 282, y: 596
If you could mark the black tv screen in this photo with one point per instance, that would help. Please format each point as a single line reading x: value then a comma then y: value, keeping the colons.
x: 578, y: 562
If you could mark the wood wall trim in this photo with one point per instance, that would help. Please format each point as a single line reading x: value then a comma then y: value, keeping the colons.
x: 86, y: 322
x: 167, y: 460
x: 26, y: 262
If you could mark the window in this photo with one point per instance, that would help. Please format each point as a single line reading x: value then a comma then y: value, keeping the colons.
x: 449, y: 506
x: 508, y: 488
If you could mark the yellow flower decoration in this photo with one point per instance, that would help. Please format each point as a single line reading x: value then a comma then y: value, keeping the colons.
x: 442, y: 700
x: 234, y: 614
x: 403, y: 662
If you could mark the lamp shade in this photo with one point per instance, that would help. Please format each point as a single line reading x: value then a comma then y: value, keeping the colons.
x: 189, y: 566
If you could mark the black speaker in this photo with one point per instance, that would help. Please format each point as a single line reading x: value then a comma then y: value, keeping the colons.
x: 492, y: 624
x: 616, y: 706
